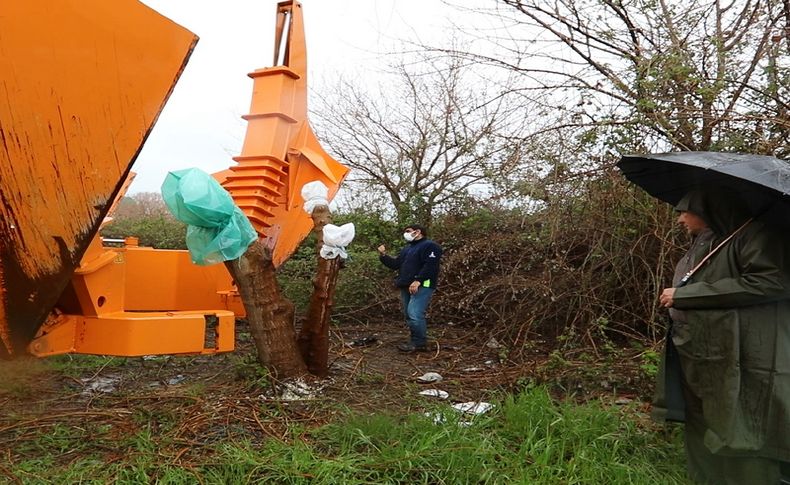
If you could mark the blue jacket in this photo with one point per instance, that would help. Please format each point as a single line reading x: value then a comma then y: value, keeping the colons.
x: 418, y: 261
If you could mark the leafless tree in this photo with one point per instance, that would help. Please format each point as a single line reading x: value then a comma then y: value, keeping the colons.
x: 430, y: 135
x: 142, y: 204
x: 689, y: 75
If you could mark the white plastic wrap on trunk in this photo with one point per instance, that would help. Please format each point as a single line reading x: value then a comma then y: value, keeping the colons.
x: 314, y: 194
x: 336, y: 239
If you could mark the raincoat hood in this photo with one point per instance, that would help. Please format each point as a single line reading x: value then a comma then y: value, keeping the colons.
x: 722, y: 210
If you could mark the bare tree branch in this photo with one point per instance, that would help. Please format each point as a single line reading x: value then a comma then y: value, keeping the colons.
x: 428, y: 137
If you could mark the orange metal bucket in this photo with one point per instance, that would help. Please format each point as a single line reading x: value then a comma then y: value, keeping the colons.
x: 82, y: 83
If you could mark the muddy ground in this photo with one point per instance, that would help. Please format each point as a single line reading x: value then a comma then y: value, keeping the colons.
x: 189, y: 403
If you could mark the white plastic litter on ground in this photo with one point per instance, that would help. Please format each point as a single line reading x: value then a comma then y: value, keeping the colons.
x: 475, y: 408
x: 474, y: 369
x: 467, y: 412
x: 430, y: 377
x: 176, y: 380
x: 296, y: 390
x: 100, y: 384
x: 435, y: 393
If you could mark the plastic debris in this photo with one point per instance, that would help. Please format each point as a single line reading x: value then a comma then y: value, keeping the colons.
x: 468, y: 410
x: 437, y: 418
x: 296, y: 390
x: 218, y: 230
x: 435, y: 393
x: 430, y: 377
x: 314, y: 194
x: 622, y: 401
x: 475, y: 408
x: 104, y: 385
x: 474, y: 369
x: 176, y: 380
x: 336, y: 238
x: 155, y: 357
x: 362, y: 342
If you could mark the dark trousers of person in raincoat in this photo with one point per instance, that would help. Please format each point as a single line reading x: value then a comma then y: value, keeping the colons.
x: 730, y: 346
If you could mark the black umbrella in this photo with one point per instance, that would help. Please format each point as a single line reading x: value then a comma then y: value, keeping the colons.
x: 760, y: 180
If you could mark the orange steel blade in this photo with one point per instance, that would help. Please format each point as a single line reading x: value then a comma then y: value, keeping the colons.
x: 82, y: 83
x: 280, y: 151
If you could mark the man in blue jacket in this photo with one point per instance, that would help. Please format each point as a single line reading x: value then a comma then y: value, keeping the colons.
x: 418, y: 276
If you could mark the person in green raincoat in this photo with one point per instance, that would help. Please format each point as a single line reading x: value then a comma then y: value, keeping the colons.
x: 731, y: 334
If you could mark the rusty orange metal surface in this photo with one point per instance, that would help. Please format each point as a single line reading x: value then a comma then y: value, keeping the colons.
x: 280, y: 152
x: 82, y: 84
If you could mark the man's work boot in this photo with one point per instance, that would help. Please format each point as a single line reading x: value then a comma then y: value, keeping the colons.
x: 409, y: 347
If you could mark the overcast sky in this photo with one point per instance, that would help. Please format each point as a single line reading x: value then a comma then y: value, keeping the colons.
x: 201, y: 124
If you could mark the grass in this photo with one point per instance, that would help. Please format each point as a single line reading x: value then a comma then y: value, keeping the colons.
x: 528, y: 438
x: 76, y: 365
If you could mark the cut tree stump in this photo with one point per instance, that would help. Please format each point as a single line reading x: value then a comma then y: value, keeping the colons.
x: 269, y: 314
x: 313, y: 340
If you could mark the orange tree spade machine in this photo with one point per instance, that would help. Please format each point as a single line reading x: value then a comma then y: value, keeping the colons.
x: 83, y: 83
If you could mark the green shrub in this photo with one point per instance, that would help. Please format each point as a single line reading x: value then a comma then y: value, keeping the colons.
x: 161, y: 232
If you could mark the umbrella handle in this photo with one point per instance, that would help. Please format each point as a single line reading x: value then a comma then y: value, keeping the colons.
x: 686, y: 278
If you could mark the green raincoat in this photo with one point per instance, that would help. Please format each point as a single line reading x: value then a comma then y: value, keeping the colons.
x: 734, y: 346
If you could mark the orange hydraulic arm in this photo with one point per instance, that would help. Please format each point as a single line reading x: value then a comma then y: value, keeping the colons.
x: 280, y: 152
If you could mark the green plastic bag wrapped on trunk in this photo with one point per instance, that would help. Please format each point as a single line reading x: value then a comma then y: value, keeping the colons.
x: 217, y: 229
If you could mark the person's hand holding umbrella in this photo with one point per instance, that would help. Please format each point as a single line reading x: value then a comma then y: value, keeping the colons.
x: 666, y: 297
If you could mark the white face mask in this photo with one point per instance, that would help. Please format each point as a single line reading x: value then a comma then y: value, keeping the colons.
x: 408, y: 236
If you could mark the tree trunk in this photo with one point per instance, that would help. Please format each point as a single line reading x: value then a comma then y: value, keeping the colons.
x: 269, y: 315
x: 313, y: 338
